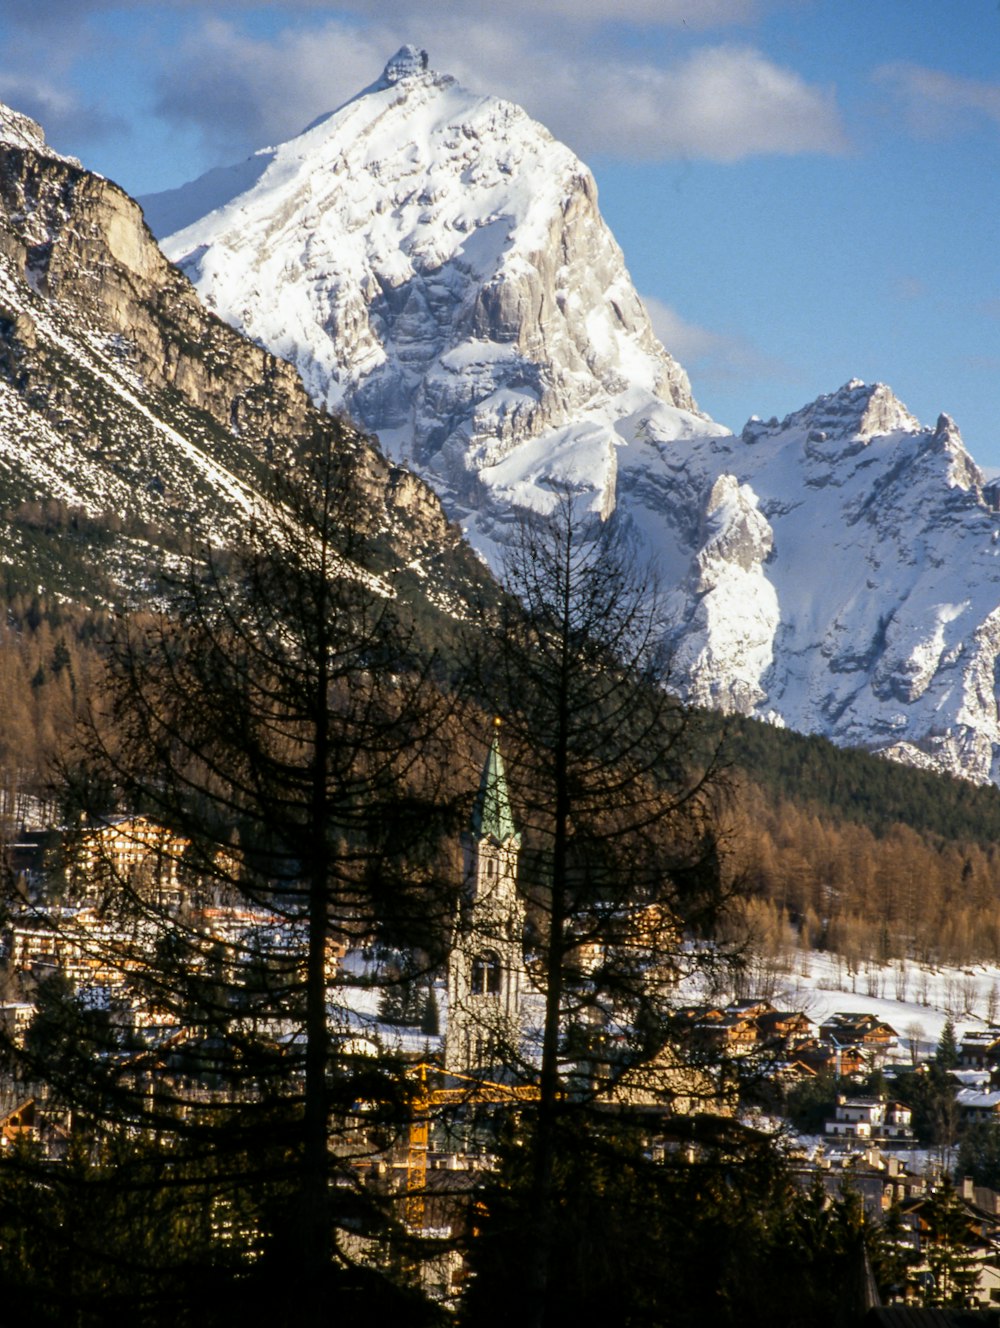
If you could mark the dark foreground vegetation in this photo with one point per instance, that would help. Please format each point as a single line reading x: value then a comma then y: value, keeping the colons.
x: 215, y: 1135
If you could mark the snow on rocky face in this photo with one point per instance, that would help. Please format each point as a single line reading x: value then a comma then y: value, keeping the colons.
x: 843, y: 577
x: 22, y: 132
x: 435, y: 264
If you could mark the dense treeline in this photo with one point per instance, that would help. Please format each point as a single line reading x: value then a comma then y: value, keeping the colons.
x: 871, y: 896
x: 850, y: 785
x: 48, y: 660
x: 839, y: 850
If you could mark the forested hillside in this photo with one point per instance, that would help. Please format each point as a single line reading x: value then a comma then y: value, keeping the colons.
x: 838, y: 849
x: 845, y: 851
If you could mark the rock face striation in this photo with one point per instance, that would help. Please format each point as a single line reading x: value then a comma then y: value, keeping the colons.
x: 125, y: 403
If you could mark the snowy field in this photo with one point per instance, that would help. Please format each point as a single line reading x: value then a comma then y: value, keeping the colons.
x: 916, y: 1001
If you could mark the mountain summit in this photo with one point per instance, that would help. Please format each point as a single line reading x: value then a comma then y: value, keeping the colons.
x: 435, y: 264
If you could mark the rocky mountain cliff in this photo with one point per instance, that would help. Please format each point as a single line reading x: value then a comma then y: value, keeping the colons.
x: 131, y: 419
x: 434, y: 262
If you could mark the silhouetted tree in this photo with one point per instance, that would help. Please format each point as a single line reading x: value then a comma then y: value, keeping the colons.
x: 717, y: 1231
x: 276, y: 725
x: 615, y: 793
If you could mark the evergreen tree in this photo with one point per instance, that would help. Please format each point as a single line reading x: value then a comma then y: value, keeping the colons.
x: 949, y: 1259
x: 614, y: 793
x: 946, y: 1057
x: 979, y: 1154
x: 276, y: 726
x: 430, y: 1019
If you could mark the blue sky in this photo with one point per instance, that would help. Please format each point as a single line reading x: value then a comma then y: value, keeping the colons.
x: 805, y: 190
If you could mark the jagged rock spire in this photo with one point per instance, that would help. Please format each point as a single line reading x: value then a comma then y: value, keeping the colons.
x: 408, y: 61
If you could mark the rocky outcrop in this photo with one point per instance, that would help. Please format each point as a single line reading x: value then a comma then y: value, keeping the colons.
x: 22, y: 132
x: 121, y: 396
x: 728, y: 611
x: 82, y: 244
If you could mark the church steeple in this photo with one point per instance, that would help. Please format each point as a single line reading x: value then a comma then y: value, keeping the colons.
x: 486, y: 973
x: 492, y: 817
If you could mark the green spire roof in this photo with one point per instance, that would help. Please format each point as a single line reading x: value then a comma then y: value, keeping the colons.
x: 492, y: 817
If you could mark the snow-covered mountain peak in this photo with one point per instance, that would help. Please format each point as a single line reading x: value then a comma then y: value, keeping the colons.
x: 408, y: 62
x: 435, y: 264
x: 23, y: 132
x: 856, y: 411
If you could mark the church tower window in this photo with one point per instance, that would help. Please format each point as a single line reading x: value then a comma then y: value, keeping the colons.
x: 486, y: 974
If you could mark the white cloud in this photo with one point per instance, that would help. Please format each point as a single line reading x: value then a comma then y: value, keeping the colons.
x: 722, y: 103
x: 711, y: 357
x: 244, y: 93
x: 936, y: 104
x: 56, y: 107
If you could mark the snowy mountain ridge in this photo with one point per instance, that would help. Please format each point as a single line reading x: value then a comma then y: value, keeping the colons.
x: 435, y: 264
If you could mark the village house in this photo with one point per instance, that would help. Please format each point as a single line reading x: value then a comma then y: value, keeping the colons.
x: 857, y: 1118
x: 979, y: 1048
x: 826, y: 1058
x: 77, y: 942
x: 976, y: 1105
x: 133, y: 851
x: 731, y: 1028
x: 976, y: 1251
x: 870, y: 1118
x: 15, y: 1019
x: 784, y: 1028
x: 872, y: 1035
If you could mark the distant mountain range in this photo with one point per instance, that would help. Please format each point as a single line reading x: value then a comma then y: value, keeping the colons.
x: 435, y: 264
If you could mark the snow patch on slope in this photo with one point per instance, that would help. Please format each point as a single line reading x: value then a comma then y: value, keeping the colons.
x: 23, y: 132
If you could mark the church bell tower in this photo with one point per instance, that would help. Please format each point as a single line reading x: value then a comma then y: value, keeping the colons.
x: 486, y: 974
